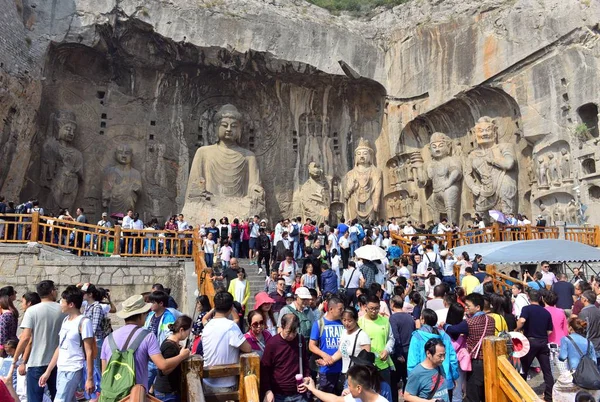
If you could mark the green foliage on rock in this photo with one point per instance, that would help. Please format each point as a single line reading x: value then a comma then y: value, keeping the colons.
x: 355, y: 5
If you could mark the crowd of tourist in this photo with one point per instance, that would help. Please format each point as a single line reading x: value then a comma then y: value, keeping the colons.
x: 327, y: 325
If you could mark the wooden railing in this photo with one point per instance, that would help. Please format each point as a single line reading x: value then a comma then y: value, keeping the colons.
x: 86, y: 239
x: 500, y: 280
x: 502, y: 381
x: 248, y: 370
x: 586, y: 235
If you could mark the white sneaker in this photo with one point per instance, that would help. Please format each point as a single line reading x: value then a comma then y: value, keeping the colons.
x: 260, y: 270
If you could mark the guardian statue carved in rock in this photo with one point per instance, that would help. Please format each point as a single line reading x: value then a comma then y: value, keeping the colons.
x: 62, y: 164
x: 230, y: 174
x: 363, y: 185
x: 445, y: 174
x: 490, y: 170
x: 314, y: 195
x: 565, y: 165
x: 542, y: 173
x: 554, y: 170
x: 121, y: 184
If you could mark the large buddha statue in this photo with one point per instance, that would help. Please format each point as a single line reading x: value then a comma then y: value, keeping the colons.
x: 364, y: 185
x: 62, y: 164
x: 489, y: 171
x: 226, y: 172
x: 121, y: 184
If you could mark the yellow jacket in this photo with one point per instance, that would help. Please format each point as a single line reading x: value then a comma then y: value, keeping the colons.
x: 231, y: 290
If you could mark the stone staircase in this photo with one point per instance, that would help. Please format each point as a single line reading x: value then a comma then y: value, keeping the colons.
x: 257, y: 281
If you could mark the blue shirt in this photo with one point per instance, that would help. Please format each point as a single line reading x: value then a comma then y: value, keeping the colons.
x: 394, y: 252
x: 342, y: 228
x: 327, y: 334
x: 535, y: 285
x: 568, y: 351
x: 421, y: 382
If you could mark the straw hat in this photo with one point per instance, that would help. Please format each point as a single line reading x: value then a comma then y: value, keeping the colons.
x: 132, y: 306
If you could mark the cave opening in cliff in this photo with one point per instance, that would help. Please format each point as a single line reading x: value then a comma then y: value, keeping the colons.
x: 588, y: 114
x: 160, y: 97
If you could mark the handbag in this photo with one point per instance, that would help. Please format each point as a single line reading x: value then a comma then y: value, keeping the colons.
x: 477, y: 347
x: 463, y: 356
x: 586, y: 375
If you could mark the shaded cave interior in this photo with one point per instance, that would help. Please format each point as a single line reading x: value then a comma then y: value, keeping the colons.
x: 136, y: 87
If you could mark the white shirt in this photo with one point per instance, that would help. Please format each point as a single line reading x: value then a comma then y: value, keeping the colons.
x: 481, y: 225
x: 448, y: 268
x: 137, y: 225
x: 70, y: 353
x: 209, y: 246
x: 386, y: 243
x: 356, y: 277
x: 284, y: 267
x: 127, y: 222
x: 347, y: 345
x: 441, y: 229
x: 221, y: 339
x: 278, y: 232
x: 403, y: 271
x: 333, y: 241
x: 394, y: 228
x: 344, y: 242
x: 429, y: 287
x: 409, y: 230
x: 349, y: 398
x: 240, y: 290
x: 182, y: 225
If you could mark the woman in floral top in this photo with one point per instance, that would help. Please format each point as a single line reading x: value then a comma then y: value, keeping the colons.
x: 9, y: 316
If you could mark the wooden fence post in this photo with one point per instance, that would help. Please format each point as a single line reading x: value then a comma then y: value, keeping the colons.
x: 496, y: 231
x: 528, y: 233
x: 35, y: 226
x: 492, y: 348
x: 249, y: 365
x: 117, y: 241
x: 597, y: 235
x: 191, y: 380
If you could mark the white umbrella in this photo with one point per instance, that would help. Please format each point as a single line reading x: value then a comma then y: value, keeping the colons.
x: 497, y: 216
x: 370, y: 252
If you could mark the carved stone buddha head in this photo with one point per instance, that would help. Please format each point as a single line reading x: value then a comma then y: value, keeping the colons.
x: 123, y: 154
x: 229, y: 124
x: 65, y: 125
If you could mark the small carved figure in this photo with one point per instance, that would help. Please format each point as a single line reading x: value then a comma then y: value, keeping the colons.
x: 415, y: 214
x: 489, y: 171
x: 121, y: 184
x: 363, y: 185
x: 401, y: 172
x: 542, y: 173
x: 558, y: 212
x: 62, y: 164
x: 554, y: 170
x: 314, y: 195
x: 335, y: 190
x: 393, y: 174
x: 565, y: 165
x: 445, y: 173
x: 393, y: 203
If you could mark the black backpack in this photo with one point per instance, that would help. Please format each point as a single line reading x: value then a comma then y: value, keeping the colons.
x: 235, y: 233
x: 224, y: 232
x: 586, y: 375
x: 265, y: 243
x: 433, y: 265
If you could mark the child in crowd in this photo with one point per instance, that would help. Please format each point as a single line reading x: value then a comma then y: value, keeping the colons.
x: 225, y: 253
x: 336, y: 262
x: 297, y: 282
x: 209, y: 250
x: 167, y: 387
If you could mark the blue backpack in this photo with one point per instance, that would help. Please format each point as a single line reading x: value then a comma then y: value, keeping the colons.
x: 353, y: 237
x: 361, y: 232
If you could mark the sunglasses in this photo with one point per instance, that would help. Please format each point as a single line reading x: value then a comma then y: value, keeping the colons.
x: 258, y: 324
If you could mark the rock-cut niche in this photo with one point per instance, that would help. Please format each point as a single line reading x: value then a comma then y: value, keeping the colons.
x: 450, y: 171
x: 136, y: 107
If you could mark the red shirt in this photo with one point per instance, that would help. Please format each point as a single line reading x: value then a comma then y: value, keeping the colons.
x: 308, y: 229
x: 245, y: 230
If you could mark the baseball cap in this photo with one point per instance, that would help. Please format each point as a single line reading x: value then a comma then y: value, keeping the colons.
x: 289, y: 295
x: 303, y: 293
x: 104, y: 214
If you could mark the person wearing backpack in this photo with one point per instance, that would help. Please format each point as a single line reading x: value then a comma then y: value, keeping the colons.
x: 236, y: 237
x: 294, y: 235
x: 76, y: 349
x: 127, y: 351
x: 575, y: 346
x: 301, y: 309
x: 354, y: 236
x: 536, y: 323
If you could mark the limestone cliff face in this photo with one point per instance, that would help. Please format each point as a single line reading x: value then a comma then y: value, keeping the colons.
x: 152, y: 73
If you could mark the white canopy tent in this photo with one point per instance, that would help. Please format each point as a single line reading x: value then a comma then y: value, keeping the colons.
x: 531, y: 251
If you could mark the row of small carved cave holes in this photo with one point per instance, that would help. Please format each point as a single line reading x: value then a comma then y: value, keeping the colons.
x: 336, y: 142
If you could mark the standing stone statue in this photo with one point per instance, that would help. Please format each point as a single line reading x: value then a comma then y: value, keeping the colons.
x: 415, y: 214
x: 62, y: 164
x: 565, y: 165
x: 393, y: 174
x: 314, y: 195
x: 572, y: 212
x: 554, y: 170
x: 392, y: 205
x: 121, y: 184
x: 230, y: 174
x: 363, y: 185
x: 489, y: 170
x: 543, y: 178
x: 558, y: 212
x: 335, y: 190
x: 445, y: 174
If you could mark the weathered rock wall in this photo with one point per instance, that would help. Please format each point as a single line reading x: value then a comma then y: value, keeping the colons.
x: 24, y: 266
x: 152, y: 74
